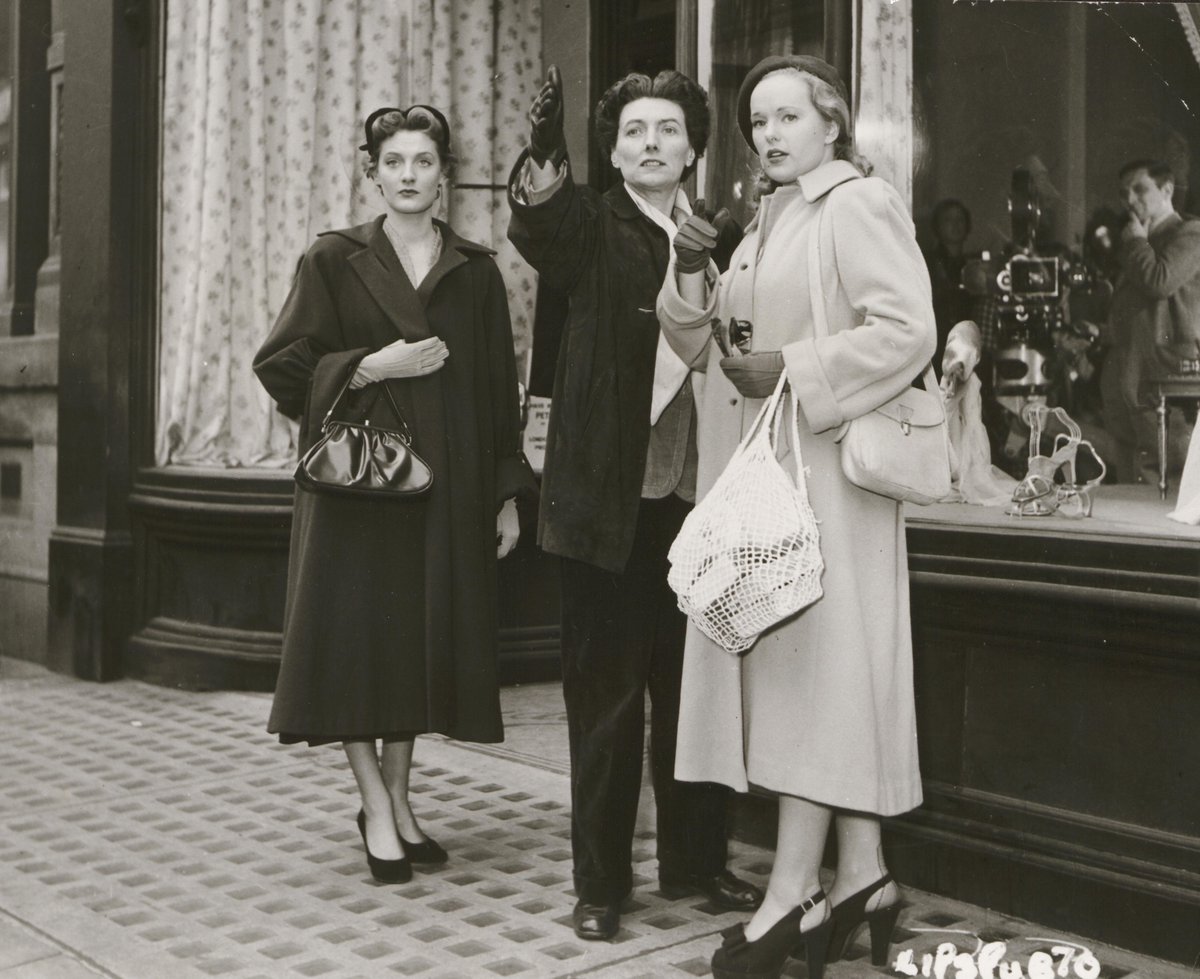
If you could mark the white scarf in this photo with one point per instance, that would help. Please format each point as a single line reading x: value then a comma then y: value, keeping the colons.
x: 669, y: 369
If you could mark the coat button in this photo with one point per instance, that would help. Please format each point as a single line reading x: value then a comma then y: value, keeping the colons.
x: 733, y: 401
x: 744, y: 266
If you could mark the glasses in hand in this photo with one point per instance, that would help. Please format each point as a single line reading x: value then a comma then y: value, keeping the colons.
x: 733, y: 335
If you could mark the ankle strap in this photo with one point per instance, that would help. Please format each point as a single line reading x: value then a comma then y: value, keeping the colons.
x: 811, y: 902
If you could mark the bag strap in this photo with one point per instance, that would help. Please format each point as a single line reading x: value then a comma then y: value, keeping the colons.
x: 405, y: 432
x: 816, y: 295
x: 816, y: 287
x: 773, y: 409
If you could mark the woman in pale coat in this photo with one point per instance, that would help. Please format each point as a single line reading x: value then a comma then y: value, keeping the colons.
x: 820, y: 710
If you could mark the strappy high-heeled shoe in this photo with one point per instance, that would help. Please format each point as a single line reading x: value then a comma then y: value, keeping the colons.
x: 847, y: 917
x: 384, y: 871
x: 1075, y: 498
x: 1037, y: 495
x: 765, y: 957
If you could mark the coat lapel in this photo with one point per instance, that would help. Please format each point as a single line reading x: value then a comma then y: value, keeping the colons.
x: 385, y: 279
x: 452, y: 256
x: 383, y: 275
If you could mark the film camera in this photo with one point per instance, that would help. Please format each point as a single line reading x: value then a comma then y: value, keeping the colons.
x: 1029, y: 287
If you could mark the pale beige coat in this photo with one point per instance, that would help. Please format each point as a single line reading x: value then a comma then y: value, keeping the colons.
x: 821, y: 706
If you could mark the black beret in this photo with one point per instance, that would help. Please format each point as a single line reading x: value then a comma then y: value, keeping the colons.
x: 804, y: 62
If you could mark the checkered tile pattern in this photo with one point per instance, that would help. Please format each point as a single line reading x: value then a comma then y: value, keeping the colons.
x: 147, y: 832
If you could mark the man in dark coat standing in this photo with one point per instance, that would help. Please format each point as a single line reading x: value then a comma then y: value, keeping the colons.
x: 619, y: 479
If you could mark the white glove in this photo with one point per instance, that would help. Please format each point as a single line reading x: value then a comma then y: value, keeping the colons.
x: 964, y: 345
x: 401, y: 359
x: 508, y: 528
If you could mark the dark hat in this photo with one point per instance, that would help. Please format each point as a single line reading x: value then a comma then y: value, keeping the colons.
x: 429, y: 110
x: 804, y: 62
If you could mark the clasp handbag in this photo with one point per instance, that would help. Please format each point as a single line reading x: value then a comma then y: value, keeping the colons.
x: 361, y: 459
x: 900, y: 450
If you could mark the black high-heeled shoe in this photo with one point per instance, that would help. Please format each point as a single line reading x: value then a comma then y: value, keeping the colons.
x: 848, y: 916
x: 427, y: 852
x: 384, y: 871
x: 765, y: 957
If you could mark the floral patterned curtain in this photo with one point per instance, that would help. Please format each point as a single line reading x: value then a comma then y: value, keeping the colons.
x: 883, y: 89
x: 262, y: 114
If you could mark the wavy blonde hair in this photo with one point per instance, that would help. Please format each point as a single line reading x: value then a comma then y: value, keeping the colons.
x: 833, y: 108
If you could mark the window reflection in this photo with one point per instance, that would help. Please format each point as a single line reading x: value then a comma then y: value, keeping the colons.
x: 6, y: 43
x: 1054, y: 98
x: 744, y: 32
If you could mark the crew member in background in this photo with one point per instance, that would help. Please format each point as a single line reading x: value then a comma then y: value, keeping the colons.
x: 1154, y: 320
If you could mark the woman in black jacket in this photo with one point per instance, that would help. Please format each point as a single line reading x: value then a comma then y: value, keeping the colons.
x: 618, y: 481
x: 390, y: 628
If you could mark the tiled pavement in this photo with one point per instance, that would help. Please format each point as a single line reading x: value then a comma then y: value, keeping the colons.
x: 148, y: 832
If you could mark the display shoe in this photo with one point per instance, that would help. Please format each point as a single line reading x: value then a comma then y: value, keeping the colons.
x: 852, y: 913
x: 1037, y: 495
x: 427, y: 852
x: 384, y: 871
x: 1075, y: 498
x: 1033, y: 496
x: 765, y: 957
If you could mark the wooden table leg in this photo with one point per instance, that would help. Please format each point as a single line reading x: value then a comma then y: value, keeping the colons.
x: 1162, y: 446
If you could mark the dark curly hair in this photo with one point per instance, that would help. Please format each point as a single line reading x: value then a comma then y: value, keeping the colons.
x: 669, y: 84
x: 417, y: 119
x: 1156, y: 170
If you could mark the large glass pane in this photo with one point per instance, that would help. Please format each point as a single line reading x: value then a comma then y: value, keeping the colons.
x: 6, y: 54
x: 1026, y: 113
x: 744, y: 32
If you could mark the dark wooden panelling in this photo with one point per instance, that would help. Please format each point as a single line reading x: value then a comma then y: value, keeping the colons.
x: 210, y: 560
x: 1057, y: 684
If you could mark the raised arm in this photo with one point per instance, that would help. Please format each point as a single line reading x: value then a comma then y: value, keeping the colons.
x: 687, y: 301
x: 1160, y: 270
x: 554, y: 222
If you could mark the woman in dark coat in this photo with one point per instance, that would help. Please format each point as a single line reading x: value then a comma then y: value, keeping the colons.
x: 390, y: 628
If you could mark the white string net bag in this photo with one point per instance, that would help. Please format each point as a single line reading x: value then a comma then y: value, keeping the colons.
x: 749, y: 554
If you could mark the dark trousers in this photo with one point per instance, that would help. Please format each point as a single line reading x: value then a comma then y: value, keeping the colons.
x: 622, y: 634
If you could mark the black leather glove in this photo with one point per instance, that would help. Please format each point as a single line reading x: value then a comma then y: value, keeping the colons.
x: 754, y: 375
x: 547, y: 143
x: 694, y: 242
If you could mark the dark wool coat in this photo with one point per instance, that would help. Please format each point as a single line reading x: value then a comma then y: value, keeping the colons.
x: 391, y: 626
x: 610, y: 259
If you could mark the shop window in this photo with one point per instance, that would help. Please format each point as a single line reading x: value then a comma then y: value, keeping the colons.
x: 1025, y: 114
x: 627, y: 35
x: 743, y: 33
x: 262, y: 111
x: 6, y: 94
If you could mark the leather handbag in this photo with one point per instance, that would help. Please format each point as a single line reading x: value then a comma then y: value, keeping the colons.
x: 900, y: 450
x: 361, y: 459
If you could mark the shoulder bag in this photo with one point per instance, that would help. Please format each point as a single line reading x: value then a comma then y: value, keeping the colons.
x: 900, y: 450
x: 361, y: 459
